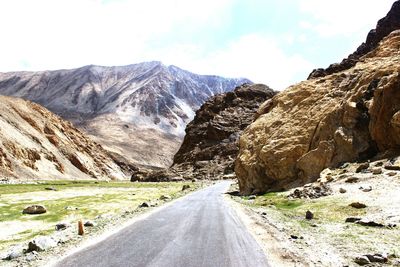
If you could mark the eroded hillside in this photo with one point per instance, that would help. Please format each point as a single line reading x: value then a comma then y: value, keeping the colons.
x: 36, y: 144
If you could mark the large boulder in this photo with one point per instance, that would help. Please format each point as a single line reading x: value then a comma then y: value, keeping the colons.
x: 34, y: 209
x: 346, y: 116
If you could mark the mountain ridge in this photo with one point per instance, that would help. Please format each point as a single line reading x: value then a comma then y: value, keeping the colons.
x: 150, y: 98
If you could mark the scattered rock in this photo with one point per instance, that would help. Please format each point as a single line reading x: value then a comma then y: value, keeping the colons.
x: 342, y: 190
x: 366, y: 189
x: 252, y: 197
x: 34, y: 209
x: 165, y: 197
x: 294, y: 237
x: 352, y: 219
x: 369, y: 223
x: 144, y: 205
x: 376, y: 170
x: 391, y: 173
x: 392, y: 167
x: 311, y: 191
x: 377, y: 258
x: 309, y: 215
x: 352, y: 180
x: 51, y: 188
x: 185, y: 187
x: 62, y: 226
x: 358, y: 205
x: 89, y: 224
x: 41, y: 243
x: 329, y: 178
x: 362, y: 260
x: 14, y: 252
x: 362, y: 167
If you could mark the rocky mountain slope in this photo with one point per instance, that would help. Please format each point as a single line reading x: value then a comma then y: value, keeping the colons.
x: 139, y: 111
x: 210, y: 145
x: 346, y: 116
x: 36, y: 144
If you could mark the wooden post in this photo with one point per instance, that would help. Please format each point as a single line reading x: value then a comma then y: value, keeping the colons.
x: 81, y: 230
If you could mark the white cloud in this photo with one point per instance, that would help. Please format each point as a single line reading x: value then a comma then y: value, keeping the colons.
x: 48, y: 34
x: 343, y: 17
x: 253, y: 56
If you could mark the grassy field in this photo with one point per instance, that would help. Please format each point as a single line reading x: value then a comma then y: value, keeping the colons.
x: 72, y: 201
x: 328, y: 226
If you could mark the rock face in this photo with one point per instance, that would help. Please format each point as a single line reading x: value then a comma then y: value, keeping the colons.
x: 211, y: 142
x: 36, y: 144
x: 319, y: 123
x: 139, y: 111
x: 385, y: 26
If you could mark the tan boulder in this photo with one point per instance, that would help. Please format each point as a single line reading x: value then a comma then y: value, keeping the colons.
x: 321, y: 123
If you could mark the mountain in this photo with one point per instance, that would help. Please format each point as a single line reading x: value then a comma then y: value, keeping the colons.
x: 37, y: 144
x: 345, y: 116
x: 211, y: 144
x: 138, y: 111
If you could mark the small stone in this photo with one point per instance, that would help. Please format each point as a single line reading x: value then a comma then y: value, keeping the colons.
x: 41, y: 243
x: 61, y: 226
x: 252, y: 197
x: 369, y: 189
x: 329, y: 178
x: 309, y: 215
x: 377, y: 258
x: 34, y: 209
x: 352, y: 219
x: 51, y: 189
x: 14, y: 252
x: 89, y: 224
x: 362, y: 260
x: 362, y: 167
x: 392, y: 167
x: 144, y: 205
x: 185, y: 187
x: 391, y: 173
x: 358, y: 205
x: 342, y: 190
x: 294, y: 237
x: 264, y: 213
x: 369, y: 223
x: 164, y: 197
x: 352, y: 180
x: 376, y: 171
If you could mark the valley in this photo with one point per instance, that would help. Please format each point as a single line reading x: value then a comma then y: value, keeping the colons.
x: 149, y: 164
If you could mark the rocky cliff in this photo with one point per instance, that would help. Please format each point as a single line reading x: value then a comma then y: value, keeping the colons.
x: 139, y: 111
x: 211, y: 141
x: 36, y: 144
x: 349, y: 115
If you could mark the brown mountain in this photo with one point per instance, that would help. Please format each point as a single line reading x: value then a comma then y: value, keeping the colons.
x: 348, y: 115
x: 37, y: 144
x: 210, y: 145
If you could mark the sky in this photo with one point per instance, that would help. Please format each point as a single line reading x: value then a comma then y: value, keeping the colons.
x: 275, y: 42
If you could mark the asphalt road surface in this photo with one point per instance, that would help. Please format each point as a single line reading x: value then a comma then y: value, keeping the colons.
x: 195, y: 231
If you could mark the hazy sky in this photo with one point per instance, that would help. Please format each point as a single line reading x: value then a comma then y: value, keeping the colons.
x: 277, y: 42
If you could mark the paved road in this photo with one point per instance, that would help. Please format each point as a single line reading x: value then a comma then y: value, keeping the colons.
x: 198, y: 230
